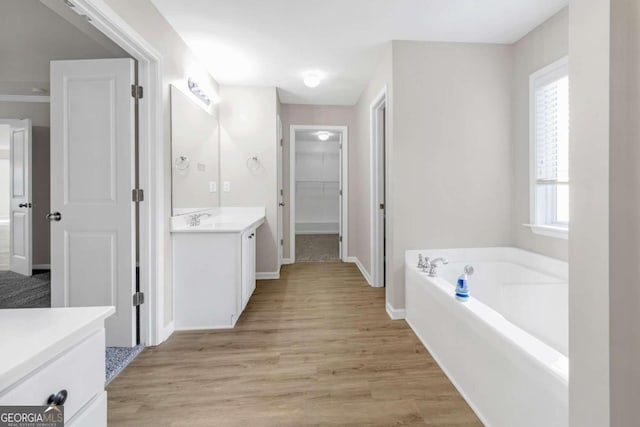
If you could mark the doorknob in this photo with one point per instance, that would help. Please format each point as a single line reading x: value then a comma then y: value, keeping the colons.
x: 54, y: 216
x: 25, y: 205
x: 281, y: 203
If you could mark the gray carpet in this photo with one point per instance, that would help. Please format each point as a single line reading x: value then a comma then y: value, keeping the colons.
x: 317, y: 248
x: 118, y: 358
x: 18, y: 291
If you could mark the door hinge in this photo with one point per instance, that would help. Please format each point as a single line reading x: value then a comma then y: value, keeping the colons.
x: 137, y: 92
x: 282, y: 192
x: 341, y: 145
x: 281, y: 242
x: 137, y: 195
x: 341, y: 238
x: 138, y: 299
x: 341, y: 192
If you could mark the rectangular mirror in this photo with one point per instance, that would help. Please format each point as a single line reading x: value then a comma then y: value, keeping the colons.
x: 195, y: 150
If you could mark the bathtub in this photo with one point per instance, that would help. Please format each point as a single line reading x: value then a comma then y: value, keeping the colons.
x: 505, y: 350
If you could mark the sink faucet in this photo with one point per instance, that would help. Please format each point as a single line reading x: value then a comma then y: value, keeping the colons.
x: 194, y: 219
x: 433, y: 266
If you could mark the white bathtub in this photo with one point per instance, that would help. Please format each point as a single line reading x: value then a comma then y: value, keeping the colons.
x: 505, y: 349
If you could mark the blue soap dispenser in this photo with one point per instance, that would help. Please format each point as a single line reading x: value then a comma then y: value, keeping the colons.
x: 462, y: 288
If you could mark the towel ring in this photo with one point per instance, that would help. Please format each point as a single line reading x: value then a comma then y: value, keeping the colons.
x: 182, y: 163
x: 253, y: 164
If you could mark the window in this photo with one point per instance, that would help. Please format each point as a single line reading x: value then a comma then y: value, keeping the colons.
x: 549, y: 151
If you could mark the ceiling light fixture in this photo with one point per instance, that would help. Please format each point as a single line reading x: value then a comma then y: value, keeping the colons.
x: 312, y: 79
x: 323, y: 136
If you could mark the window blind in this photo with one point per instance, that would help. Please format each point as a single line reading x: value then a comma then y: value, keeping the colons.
x: 551, y: 132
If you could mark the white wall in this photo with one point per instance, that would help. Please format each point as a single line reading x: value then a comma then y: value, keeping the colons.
x: 624, y: 197
x: 4, y: 172
x: 541, y: 47
x: 295, y: 114
x: 451, y: 165
x: 589, y: 38
x: 360, y: 165
x: 248, y: 128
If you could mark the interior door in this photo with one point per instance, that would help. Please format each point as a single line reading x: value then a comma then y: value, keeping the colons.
x: 280, y: 194
x: 92, y: 177
x: 21, y: 218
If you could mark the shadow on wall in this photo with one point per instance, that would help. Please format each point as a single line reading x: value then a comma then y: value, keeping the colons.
x: 41, y: 179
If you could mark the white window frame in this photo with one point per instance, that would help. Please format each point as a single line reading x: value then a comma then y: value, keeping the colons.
x: 547, y: 74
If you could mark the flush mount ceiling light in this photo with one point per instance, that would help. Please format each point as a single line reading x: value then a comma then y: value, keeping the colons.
x: 312, y: 79
x: 323, y: 136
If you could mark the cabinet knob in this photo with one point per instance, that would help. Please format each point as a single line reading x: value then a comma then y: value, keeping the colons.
x: 58, y: 398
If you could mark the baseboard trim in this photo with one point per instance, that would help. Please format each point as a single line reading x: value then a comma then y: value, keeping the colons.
x: 287, y: 261
x: 396, y: 313
x: 167, y: 331
x: 269, y: 275
x: 41, y: 266
x: 358, y: 264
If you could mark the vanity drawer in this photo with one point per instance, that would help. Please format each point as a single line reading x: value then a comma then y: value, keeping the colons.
x: 80, y: 370
x: 93, y: 415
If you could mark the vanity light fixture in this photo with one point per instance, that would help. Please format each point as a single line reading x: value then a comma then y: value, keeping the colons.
x: 323, y: 135
x: 312, y: 79
x: 195, y: 89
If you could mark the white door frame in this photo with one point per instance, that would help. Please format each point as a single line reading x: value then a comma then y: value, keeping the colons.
x: 378, y: 160
x: 344, y: 186
x: 150, y: 165
x: 17, y: 123
x: 280, y: 190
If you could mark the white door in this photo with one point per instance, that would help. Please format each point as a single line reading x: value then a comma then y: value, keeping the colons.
x: 280, y: 194
x: 92, y: 177
x: 20, y: 249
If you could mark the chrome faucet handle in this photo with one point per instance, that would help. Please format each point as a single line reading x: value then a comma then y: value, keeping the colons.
x: 433, y: 266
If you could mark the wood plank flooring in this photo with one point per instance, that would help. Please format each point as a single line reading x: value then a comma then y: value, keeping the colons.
x: 315, y: 348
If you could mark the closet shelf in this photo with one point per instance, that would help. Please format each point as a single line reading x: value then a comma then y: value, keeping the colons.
x: 317, y: 180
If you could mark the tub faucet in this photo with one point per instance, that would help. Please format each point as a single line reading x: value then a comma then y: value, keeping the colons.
x: 433, y: 266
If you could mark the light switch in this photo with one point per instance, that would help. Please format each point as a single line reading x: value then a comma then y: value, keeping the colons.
x: 213, y: 186
x: 226, y: 186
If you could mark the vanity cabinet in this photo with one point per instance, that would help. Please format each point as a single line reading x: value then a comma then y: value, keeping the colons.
x: 57, y: 351
x: 214, y: 266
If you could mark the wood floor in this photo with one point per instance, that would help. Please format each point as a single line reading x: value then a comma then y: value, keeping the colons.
x: 315, y: 348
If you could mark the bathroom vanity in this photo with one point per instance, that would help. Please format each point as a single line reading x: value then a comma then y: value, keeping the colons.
x: 214, y: 265
x: 56, y: 353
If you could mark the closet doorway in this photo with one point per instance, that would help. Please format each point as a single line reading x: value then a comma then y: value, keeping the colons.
x: 318, y: 208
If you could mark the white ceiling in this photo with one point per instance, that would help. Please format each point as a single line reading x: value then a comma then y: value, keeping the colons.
x: 33, y: 34
x: 272, y: 43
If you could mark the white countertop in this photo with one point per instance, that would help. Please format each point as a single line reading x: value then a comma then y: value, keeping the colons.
x: 220, y: 220
x: 29, y: 337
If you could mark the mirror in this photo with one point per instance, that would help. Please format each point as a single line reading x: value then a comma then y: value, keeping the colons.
x: 195, y: 150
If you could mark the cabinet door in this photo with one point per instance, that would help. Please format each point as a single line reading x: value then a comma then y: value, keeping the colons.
x: 252, y: 245
x: 245, y: 281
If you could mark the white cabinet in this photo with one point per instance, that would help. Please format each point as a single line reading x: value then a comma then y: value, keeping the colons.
x: 58, y: 351
x: 214, y: 277
x: 248, y: 265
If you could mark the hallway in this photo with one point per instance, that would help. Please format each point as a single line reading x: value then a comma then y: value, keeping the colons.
x: 313, y: 348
